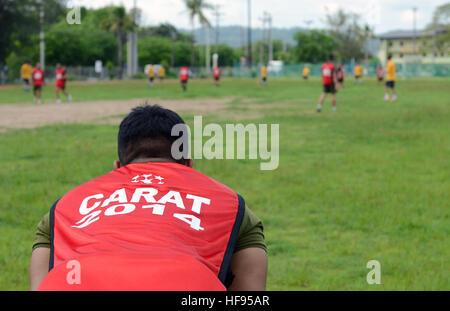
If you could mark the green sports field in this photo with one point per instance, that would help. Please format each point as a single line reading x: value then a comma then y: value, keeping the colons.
x: 370, y: 182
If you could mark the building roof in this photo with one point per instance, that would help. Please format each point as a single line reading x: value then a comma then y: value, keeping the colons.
x: 410, y: 34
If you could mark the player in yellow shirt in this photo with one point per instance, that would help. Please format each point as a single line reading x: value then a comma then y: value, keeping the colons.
x: 306, y: 72
x: 358, y: 71
x: 161, y: 73
x: 25, y: 75
x: 151, y: 75
x: 390, y: 80
x: 264, y: 75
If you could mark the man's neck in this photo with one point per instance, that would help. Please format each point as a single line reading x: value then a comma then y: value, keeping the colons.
x: 147, y: 160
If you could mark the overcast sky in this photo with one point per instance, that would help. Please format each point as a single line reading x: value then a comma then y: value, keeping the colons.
x: 384, y: 15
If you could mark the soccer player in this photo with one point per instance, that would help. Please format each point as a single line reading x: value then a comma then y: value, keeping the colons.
x: 152, y: 223
x: 151, y: 75
x: 25, y: 75
x: 60, y: 84
x: 161, y: 73
x: 390, y: 80
x: 38, y: 80
x: 306, y: 72
x: 330, y: 84
x: 340, y: 75
x: 358, y: 71
x: 184, y: 77
x: 216, y: 75
x: 380, y: 73
x: 264, y: 75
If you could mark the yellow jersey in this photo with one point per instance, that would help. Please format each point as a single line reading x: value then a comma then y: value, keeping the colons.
x: 358, y: 71
x: 306, y: 72
x: 161, y: 72
x: 263, y: 72
x: 151, y: 72
x: 25, y: 71
x: 390, y: 71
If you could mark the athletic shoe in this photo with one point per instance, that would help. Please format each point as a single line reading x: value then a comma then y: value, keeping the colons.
x: 58, y: 101
x: 69, y: 98
x: 319, y: 109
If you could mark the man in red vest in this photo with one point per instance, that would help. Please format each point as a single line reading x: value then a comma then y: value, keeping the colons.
x: 38, y: 80
x: 60, y: 83
x: 330, y: 83
x: 184, y: 76
x: 216, y: 75
x: 153, y: 223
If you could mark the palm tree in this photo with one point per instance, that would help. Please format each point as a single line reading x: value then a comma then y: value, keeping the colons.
x: 195, y: 9
x: 119, y: 22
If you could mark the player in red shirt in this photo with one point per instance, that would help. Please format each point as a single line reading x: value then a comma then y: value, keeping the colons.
x: 330, y: 83
x: 340, y: 74
x: 216, y: 75
x: 38, y: 80
x: 60, y: 83
x: 184, y: 77
x: 380, y: 74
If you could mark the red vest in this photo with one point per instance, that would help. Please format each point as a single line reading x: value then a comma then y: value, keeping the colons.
x: 327, y: 73
x: 38, y: 76
x: 216, y: 72
x: 145, y: 226
x: 59, y: 78
x: 184, y: 73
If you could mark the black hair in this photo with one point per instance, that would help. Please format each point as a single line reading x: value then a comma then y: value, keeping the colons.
x: 147, y: 132
x: 331, y: 56
x: 389, y: 56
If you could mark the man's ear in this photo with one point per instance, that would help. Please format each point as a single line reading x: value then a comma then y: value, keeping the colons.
x: 116, y: 164
x: 190, y: 163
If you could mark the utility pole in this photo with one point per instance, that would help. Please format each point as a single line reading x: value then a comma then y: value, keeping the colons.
x: 217, y: 14
x: 42, y: 36
x: 249, y: 34
x: 269, y: 21
x: 132, y: 56
x: 261, y: 45
x: 415, y: 30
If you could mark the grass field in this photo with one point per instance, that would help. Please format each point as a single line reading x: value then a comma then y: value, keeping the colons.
x: 369, y: 182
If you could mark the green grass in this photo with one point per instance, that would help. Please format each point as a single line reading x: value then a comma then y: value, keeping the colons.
x: 369, y: 182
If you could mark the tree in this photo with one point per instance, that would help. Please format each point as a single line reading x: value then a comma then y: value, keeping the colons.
x: 349, y: 34
x: 195, y: 9
x: 313, y: 46
x: 19, y: 20
x: 118, y: 22
x: 441, y: 28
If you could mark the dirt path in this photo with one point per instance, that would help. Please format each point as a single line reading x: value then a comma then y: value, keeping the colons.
x: 31, y: 116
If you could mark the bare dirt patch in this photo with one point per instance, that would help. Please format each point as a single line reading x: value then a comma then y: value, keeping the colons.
x: 31, y: 116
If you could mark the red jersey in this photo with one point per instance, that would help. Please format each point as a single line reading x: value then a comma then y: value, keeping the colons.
x: 184, y: 73
x: 380, y: 72
x: 59, y: 78
x: 145, y: 226
x: 38, y: 76
x: 327, y: 73
x: 216, y: 72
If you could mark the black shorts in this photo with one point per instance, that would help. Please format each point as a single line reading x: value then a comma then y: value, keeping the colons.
x: 61, y: 87
x: 151, y: 79
x: 217, y: 78
x: 340, y: 80
x: 380, y: 79
x: 37, y: 87
x: 26, y: 81
x: 357, y: 77
x: 390, y: 84
x: 330, y: 88
x: 264, y: 79
x: 305, y: 77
